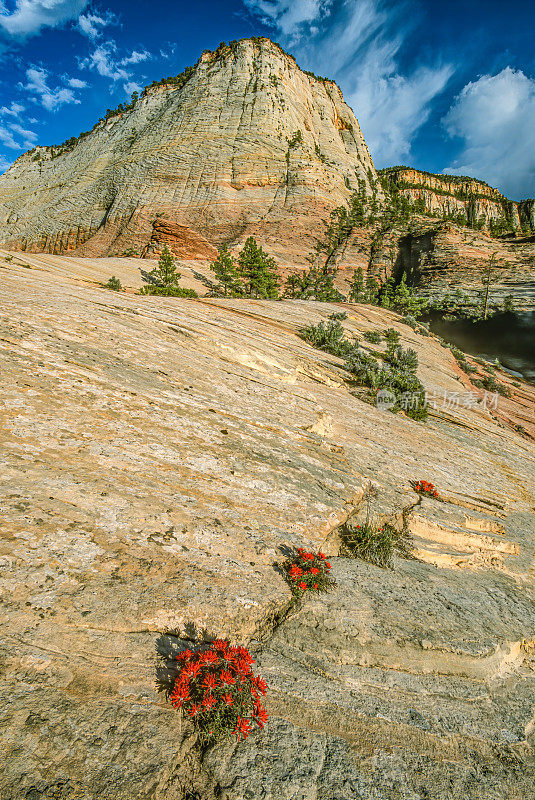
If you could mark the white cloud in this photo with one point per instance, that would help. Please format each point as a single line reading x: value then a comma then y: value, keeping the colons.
x: 4, y: 164
x: 28, y: 137
x: 13, y: 110
x: 136, y: 57
x: 91, y: 25
x: 15, y: 137
x: 76, y: 83
x: 291, y: 17
x: 358, y: 42
x: 8, y: 140
x: 495, y: 117
x: 103, y: 61
x: 30, y: 16
x: 51, y: 99
x: 132, y: 87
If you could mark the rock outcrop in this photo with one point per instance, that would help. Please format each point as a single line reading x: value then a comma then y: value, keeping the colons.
x: 157, y: 454
x: 249, y: 145
x: 451, y: 196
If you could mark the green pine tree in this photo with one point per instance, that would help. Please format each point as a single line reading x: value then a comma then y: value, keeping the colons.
x: 356, y: 286
x: 295, y: 285
x: 372, y: 290
x: 258, y: 271
x: 387, y: 293
x: 224, y: 268
x: 163, y: 279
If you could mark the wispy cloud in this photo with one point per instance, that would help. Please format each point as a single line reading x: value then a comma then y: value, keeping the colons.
x: 292, y: 17
x: 5, y: 163
x: 136, y: 57
x: 13, y: 110
x: 29, y: 16
x: 495, y: 118
x: 12, y: 134
x: 359, y: 43
x: 92, y: 25
x: 76, y: 83
x: 107, y: 62
x: 103, y: 60
x: 38, y: 87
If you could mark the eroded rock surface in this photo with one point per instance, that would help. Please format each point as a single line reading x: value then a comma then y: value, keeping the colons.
x: 156, y: 454
x: 250, y: 145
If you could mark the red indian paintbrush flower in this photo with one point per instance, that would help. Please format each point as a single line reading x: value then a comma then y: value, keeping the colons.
x: 243, y: 727
x: 308, y: 572
x: 218, y: 690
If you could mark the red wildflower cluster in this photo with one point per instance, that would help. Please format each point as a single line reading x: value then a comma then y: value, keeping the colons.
x: 425, y: 488
x: 308, y: 572
x: 216, y: 687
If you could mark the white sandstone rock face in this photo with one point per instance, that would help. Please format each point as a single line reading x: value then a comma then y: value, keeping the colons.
x: 210, y: 163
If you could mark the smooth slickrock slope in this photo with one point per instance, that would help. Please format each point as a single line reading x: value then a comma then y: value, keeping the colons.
x: 210, y: 163
x: 156, y: 454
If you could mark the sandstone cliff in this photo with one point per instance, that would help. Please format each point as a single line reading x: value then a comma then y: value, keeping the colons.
x: 156, y: 455
x: 248, y: 145
x: 451, y: 196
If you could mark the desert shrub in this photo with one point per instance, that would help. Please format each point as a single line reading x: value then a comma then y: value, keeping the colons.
x: 114, y: 284
x: 392, y: 337
x: 490, y: 384
x: 169, y: 291
x: 425, y: 489
x: 411, y: 321
x: 217, y: 690
x: 328, y: 337
x: 375, y: 543
x: 338, y: 315
x: 308, y: 572
x: 397, y: 372
x: 402, y: 359
x: 371, y: 541
x: 373, y: 336
x: 503, y: 390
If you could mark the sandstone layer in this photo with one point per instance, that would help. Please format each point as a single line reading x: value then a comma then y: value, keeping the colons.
x: 447, y: 195
x: 250, y: 145
x: 157, y: 455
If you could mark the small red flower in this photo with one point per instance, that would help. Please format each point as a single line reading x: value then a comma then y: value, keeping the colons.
x: 303, y: 586
x: 209, y: 657
x: 295, y: 572
x: 320, y: 555
x: 260, y: 684
x: 314, y: 570
x: 315, y: 586
x: 220, y: 644
x: 194, y: 710
x: 327, y: 565
x: 243, y: 727
x: 261, y: 716
x: 209, y: 701
x: 209, y: 682
x: 184, y: 655
x: 227, y: 699
x: 227, y: 678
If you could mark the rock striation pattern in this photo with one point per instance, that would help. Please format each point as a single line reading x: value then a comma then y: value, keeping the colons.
x: 448, y: 195
x: 157, y: 455
x: 250, y: 145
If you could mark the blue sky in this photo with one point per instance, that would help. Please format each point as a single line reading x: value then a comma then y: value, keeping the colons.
x: 442, y: 86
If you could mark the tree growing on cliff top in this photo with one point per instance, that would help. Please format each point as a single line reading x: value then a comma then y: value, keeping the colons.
x: 163, y: 279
